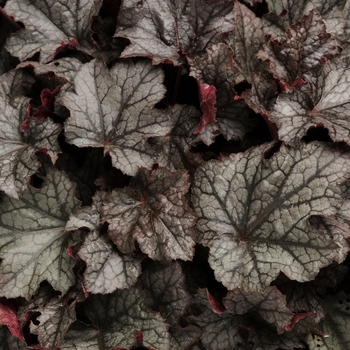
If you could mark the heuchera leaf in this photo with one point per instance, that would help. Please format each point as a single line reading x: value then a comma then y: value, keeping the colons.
x: 220, y: 330
x: 107, y: 269
x: 113, y: 109
x: 154, y: 212
x: 122, y: 316
x: 289, y: 12
x: 217, y: 70
x: 306, y: 46
x: 253, y: 213
x: 163, y: 29
x: 325, y: 105
x: 18, y: 147
x: 53, y: 323
x: 174, y: 147
x: 34, y: 248
x: 245, y: 41
x: 334, y: 326
x: 63, y: 68
x: 164, y: 288
x: 270, y: 305
x: 49, y: 26
x: 81, y: 337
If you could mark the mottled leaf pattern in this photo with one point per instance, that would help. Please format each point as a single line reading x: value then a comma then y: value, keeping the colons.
x: 53, y: 322
x: 174, y: 147
x: 113, y: 109
x: 159, y: 29
x: 245, y: 41
x: 270, y: 305
x: 17, y: 148
x: 253, y: 213
x: 306, y: 46
x: 49, y: 25
x: 107, y: 269
x: 154, y: 212
x: 334, y: 326
x: 220, y: 331
x: 34, y: 248
x: 122, y: 313
x: 326, y: 105
x: 218, y: 70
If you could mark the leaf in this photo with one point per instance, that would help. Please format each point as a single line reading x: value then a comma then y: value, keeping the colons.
x: 253, y: 213
x: 53, y: 323
x: 265, y: 337
x: 165, y: 291
x: 290, y: 12
x: 306, y: 46
x: 107, y: 269
x: 334, y: 325
x: 245, y: 42
x: 63, y: 68
x: 113, y: 109
x: 262, y: 96
x: 81, y: 337
x: 49, y: 26
x: 220, y: 331
x: 164, y: 288
x: 163, y: 30
x: 34, y: 248
x: 154, y: 212
x: 121, y: 315
x: 217, y: 70
x: 337, y: 228
x: 270, y: 305
x: 326, y: 105
x: 174, y: 147
x: 17, y: 148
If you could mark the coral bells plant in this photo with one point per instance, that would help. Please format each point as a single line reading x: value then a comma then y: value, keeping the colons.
x: 174, y: 175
